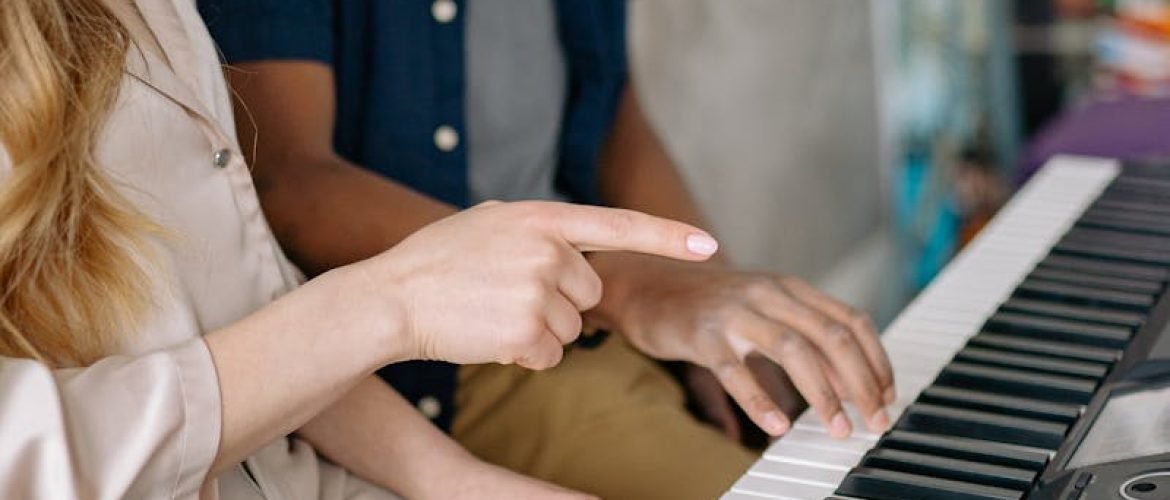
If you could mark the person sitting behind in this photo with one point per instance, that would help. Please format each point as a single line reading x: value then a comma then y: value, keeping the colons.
x: 371, y: 119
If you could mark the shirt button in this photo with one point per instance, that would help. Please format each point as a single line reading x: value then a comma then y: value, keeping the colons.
x: 221, y: 158
x: 444, y: 11
x: 446, y: 138
x: 429, y: 407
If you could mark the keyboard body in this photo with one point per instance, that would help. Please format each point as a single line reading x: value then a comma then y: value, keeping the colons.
x: 1024, y: 364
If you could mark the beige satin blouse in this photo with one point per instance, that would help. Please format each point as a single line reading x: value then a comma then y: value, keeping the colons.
x: 145, y: 424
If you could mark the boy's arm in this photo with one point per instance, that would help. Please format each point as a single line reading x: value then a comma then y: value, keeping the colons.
x: 715, y: 316
x: 312, y: 197
x: 327, y: 212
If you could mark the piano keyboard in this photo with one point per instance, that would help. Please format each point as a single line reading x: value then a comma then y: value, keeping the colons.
x: 986, y: 431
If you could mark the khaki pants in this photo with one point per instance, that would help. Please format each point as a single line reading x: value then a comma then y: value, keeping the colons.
x: 608, y: 422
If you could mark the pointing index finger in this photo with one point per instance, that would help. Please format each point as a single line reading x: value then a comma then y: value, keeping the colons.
x: 599, y: 229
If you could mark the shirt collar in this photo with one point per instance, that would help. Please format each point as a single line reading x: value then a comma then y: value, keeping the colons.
x: 173, y: 76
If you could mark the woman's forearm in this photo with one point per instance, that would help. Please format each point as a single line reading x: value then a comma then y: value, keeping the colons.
x: 378, y: 435
x: 282, y: 365
x: 485, y: 270
x: 374, y: 433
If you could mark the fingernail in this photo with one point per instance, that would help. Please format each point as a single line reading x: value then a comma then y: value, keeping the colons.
x: 776, y: 424
x: 879, y: 421
x: 839, y: 426
x: 890, y: 396
x: 702, y: 244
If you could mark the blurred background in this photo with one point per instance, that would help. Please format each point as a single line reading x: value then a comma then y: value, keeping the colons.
x: 860, y: 143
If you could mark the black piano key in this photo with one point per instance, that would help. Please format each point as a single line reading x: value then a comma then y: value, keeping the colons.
x: 1136, y: 189
x: 1098, y: 267
x: 881, y: 484
x: 1077, y: 312
x: 998, y: 403
x: 1096, y: 281
x: 1074, y: 294
x: 1021, y: 383
x: 1049, y: 348
x: 1118, y: 238
x: 1059, y: 329
x: 949, y: 468
x: 984, y: 425
x: 1145, y: 169
x: 1106, y: 213
x: 1133, y: 207
x: 1108, y: 251
x: 979, y: 450
x: 1129, y: 196
x: 1139, y: 223
x: 1129, y: 185
x: 1046, y: 364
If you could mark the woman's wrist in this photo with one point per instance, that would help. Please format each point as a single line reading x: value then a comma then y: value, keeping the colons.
x: 449, y: 472
x: 353, y: 305
x: 465, y: 476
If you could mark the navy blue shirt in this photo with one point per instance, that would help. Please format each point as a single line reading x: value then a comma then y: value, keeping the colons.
x: 399, y: 75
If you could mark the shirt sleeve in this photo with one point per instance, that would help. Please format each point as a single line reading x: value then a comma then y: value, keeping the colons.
x: 257, y: 30
x: 126, y: 427
x: 593, y: 37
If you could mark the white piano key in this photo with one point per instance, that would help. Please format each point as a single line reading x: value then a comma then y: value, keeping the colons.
x: 940, y: 342
x: 936, y: 330
x: 818, y: 439
x: 942, y: 305
x: 919, y: 367
x: 904, y: 342
x: 810, y: 420
x: 920, y: 321
x: 735, y: 495
x: 970, y: 313
x: 909, y: 389
x: 1004, y: 251
x: 899, y: 406
x: 957, y: 296
x: 961, y: 313
x: 911, y: 354
x: 915, y: 356
x: 789, y: 471
x: 947, y: 343
x: 803, y: 454
x: 922, y: 374
x: 921, y: 325
x: 782, y: 489
x: 948, y: 317
x: 936, y: 324
x: 943, y: 339
x: 912, y: 378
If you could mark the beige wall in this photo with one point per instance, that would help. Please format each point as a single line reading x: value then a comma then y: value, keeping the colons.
x: 770, y: 108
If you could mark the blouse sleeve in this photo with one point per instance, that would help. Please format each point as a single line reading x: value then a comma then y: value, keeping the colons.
x: 126, y: 427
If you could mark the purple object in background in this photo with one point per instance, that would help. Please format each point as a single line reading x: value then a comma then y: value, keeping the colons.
x: 1129, y: 128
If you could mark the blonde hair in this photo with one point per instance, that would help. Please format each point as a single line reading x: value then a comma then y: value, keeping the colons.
x: 70, y: 286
